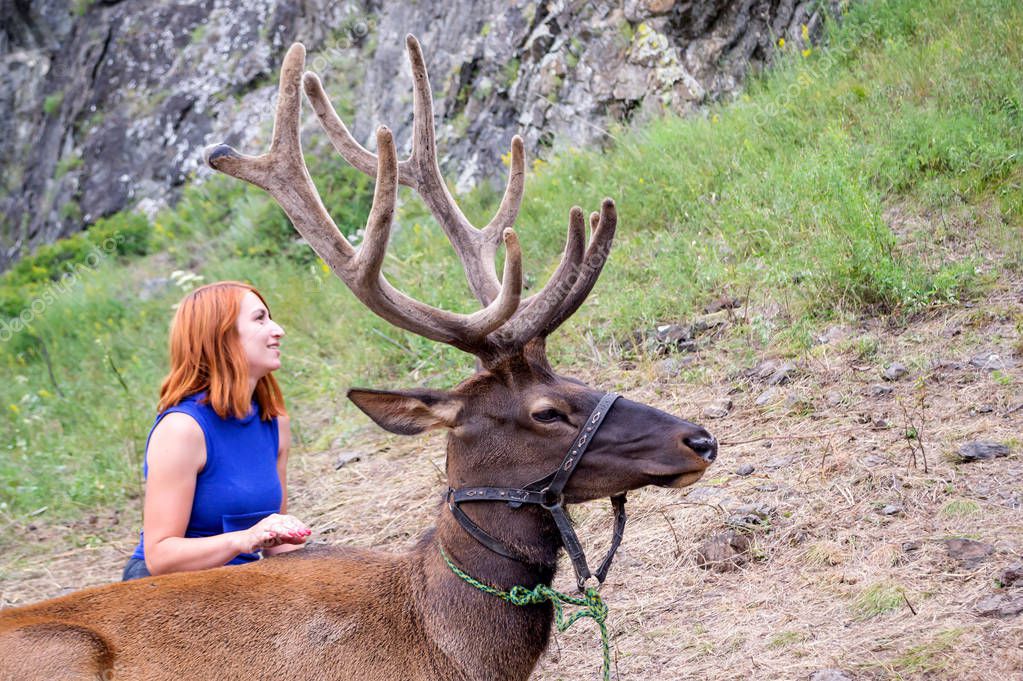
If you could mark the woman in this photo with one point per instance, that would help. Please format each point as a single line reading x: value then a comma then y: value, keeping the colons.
x: 216, y: 458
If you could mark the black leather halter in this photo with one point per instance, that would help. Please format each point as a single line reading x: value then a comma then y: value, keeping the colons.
x: 547, y: 492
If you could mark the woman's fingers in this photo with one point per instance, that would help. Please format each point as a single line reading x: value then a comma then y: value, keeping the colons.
x: 290, y: 527
x: 278, y: 529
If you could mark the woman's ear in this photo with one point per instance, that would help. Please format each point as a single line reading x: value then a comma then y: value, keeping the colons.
x: 408, y: 412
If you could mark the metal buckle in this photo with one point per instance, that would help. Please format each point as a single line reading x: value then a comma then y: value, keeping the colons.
x: 550, y: 500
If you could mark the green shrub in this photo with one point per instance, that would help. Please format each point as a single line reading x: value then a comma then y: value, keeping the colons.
x: 52, y: 103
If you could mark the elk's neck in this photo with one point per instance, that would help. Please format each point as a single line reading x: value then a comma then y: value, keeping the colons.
x: 529, y: 531
x: 479, y: 634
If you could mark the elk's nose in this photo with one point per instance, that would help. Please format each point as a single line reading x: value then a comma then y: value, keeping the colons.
x: 705, y: 446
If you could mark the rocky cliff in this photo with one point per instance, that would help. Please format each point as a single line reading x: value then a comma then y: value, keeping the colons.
x: 107, y: 104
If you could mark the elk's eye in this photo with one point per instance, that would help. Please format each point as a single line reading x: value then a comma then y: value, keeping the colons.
x: 548, y: 416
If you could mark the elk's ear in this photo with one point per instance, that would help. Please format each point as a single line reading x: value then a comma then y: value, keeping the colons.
x: 408, y: 412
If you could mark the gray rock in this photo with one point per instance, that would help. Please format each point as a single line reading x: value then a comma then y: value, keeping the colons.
x: 879, y: 390
x: 709, y: 321
x: 762, y: 371
x: 968, y: 551
x: 913, y: 545
x: 782, y: 374
x: 1011, y: 575
x: 894, y: 371
x: 769, y: 396
x: 718, y: 408
x: 830, y: 675
x: 345, y: 458
x: 982, y: 450
x: 994, y: 361
x: 834, y: 398
x: 668, y: 368
x: 723, y: 552
x: 983, y: 409
x: 1000, y: 605
x: 892, y: 509
x: 146, y: 84
x: 745, y: 469
x: 670, y: 338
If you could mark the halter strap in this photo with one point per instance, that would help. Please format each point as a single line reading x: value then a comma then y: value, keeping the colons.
x: 548, y: 493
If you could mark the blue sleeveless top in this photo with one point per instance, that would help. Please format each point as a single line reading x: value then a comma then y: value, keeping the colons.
x: 239, y: 485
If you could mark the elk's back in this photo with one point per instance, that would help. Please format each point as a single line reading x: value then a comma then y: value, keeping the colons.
x: 313, y: 614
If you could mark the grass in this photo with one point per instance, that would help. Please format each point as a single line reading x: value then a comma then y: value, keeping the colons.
x: 960, y: 508
x: 780, y: 196
x: 931, y: 657
x: 878, y: 599
x: 784, y: 639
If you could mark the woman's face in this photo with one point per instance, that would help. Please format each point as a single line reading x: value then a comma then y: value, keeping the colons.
x: 260, y: 337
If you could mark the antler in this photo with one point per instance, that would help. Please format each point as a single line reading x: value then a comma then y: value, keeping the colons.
x: 505, y: 323
x: 282, y: 172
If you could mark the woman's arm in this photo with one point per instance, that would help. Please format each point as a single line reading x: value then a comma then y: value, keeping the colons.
x: 284, y: 446
x: 176, y: 455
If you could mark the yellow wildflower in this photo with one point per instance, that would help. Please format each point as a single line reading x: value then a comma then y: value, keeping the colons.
x: 806, y: 32
x: 14, y: 408
x: 806, y: 52
x: 781, y: 42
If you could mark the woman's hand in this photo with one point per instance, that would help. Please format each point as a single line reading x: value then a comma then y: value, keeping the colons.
x: 274, y: 530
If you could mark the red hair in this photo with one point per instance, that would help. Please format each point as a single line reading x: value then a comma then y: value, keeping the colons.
x: 206, y: 355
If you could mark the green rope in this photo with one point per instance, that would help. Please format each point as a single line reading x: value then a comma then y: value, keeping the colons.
x: 592, y: 604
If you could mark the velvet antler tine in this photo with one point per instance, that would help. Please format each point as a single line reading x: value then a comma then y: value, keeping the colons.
x: 424, y: 142
x: 282, y: 170
x: 475, y: 248
x: 251, y: 169
x: 385, y: 195
x: 289, y: 104
x: 511, y: 202
x: 601, y: 239
x: 337, y: 132
x: 373, y: 246
x: 506, y: 304
x: 538, y: 309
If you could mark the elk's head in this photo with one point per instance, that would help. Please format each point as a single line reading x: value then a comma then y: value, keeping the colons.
x: 514, y: 420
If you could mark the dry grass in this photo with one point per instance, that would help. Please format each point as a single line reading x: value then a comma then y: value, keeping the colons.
x: 834, y: 582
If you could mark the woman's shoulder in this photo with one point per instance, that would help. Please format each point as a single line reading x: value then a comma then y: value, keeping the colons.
x: 177, y: 442
x: 179, y: 425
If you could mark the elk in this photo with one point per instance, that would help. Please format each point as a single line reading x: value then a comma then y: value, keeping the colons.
x: 343, y: 613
